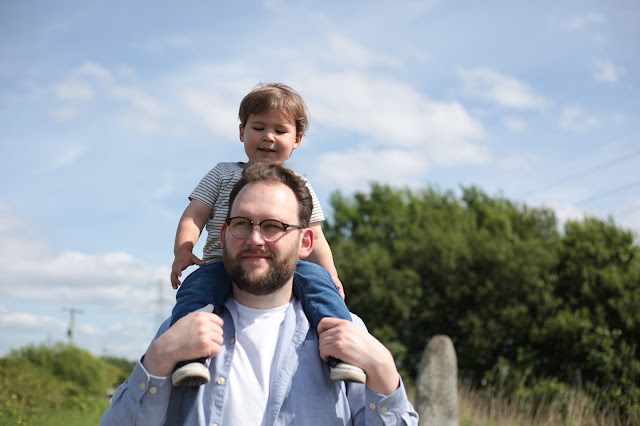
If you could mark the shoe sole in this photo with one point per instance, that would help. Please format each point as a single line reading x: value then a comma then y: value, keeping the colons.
x: 193, y: 374
x: 348, y: 373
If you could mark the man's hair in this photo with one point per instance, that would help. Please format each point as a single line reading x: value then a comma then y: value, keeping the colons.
x: 271, y: 172
x: 275, y: 96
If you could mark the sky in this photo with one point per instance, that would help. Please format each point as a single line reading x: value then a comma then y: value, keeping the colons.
x: 111, y: 112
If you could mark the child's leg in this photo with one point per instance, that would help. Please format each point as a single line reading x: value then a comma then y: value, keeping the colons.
x: 313, y: 285
x: 207, y: 284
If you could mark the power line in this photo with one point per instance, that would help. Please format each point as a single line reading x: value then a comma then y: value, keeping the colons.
x: 573, y: 177
x: 609, y: 192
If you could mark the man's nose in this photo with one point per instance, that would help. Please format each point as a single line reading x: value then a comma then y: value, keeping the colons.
x: 255, y: 236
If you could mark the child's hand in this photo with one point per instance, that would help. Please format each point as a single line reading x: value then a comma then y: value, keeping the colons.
x: 183, y: 260
x: 338, y: 284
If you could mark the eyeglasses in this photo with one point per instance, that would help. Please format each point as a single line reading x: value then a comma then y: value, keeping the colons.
x: 270, y: 229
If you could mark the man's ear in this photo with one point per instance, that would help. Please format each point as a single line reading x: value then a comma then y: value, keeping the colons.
x: 306, y: 243
x: 224, y: 227
x: 241, y: 132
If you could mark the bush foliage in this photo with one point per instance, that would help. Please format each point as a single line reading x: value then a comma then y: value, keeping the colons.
x: 36, y: 381
x: 523, y: 302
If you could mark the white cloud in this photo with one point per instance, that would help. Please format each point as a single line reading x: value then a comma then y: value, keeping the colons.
x: 605, y: 71
x: 217, y: 110
x: 64, y: 156
x: 26, y: 322
x: 506, y: 91
x: 348, y: 53
x: 574, y: 119
x: 354, y: 170
x: 67, y: 113
x: 514, y: 123
x: 93, y: 84
x: 580, y: 22
x: 111, y: 289
x: 392, y: 115
x: 74, y: 90
x: 34, y: 271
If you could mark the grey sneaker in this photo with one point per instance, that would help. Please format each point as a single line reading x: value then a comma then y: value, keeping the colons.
x: 191, y: 373
x: 342, y: 371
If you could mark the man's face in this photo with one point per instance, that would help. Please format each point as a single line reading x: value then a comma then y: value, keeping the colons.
x: 257, y: 266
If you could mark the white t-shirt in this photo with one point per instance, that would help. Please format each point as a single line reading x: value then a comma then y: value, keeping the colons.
x: 256, y: 337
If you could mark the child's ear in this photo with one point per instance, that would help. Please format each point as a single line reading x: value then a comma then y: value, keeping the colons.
x: 241, y: 133
x: 298, y: 140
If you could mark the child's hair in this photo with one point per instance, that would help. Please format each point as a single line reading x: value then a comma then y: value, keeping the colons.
x: 276, y: 96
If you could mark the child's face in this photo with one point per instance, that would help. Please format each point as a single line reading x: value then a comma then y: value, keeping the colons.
x: 269, y: 136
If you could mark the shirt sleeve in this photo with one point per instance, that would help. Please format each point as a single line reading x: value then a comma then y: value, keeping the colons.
x: 377, y: 409
x: 141, y: 400
x: 394, y: 409
x: 316, y: 215
x: 208, y: 189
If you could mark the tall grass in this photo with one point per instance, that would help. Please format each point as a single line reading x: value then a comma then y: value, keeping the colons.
x: 478, y: 408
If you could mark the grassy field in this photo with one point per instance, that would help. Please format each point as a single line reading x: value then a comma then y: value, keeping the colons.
x: 478, y: 409
x: 41, y: 386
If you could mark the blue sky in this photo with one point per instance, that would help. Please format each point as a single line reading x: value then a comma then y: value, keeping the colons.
x: 111, y: 112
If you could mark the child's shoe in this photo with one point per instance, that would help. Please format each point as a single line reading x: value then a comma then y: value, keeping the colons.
x: 342, y: 371
x: 191, y: 373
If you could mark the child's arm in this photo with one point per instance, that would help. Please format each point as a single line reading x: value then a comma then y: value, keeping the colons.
x: 190, y: 227
x: 321, y: 255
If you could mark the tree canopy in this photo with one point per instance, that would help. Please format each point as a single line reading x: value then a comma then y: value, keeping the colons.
x: 521, y: 300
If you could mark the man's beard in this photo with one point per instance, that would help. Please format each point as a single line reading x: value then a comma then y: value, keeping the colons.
x: 273, y: 279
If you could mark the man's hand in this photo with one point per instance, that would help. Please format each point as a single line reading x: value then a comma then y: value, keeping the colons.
x: 184, y: 259
x: 193, y: 336
x: 346, y: 341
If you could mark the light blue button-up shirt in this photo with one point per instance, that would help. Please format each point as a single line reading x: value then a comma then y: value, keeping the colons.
x: 300, y: 392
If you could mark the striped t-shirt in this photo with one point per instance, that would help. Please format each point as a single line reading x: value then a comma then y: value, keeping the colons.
x: 214, y: 190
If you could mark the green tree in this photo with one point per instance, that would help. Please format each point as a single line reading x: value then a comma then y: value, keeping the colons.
x: 522, y: 302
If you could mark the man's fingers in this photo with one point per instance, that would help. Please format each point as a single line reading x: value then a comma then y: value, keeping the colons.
x: 328, y: 323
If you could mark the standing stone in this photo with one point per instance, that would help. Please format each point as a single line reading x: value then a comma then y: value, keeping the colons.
x: 437, y: 386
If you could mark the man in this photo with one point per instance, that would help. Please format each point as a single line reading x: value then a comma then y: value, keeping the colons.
x: 266, y: 362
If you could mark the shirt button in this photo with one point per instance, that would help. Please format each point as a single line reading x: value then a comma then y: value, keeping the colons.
x: 372, y: 406
x: 221, y: 380
x: 214, y: 424
x: 232, y: 341
x: 152, y: 390
x: 383, y: 410
x: 143, y: 386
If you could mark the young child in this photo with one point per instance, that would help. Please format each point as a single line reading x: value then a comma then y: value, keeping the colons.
x: 273, y: 119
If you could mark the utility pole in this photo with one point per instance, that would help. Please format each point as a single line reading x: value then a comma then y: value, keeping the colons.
x: 72, y: 322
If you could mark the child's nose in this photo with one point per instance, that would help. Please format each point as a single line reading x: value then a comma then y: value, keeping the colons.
x: 268, y: 136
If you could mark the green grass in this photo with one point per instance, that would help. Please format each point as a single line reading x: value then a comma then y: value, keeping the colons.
x: 73, y: 416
